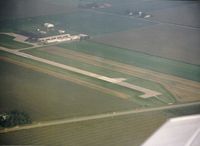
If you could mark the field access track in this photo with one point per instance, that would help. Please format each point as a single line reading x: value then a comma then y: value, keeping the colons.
x: 94, y: 117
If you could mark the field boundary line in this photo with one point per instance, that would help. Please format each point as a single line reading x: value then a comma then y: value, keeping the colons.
x: 94, y: 117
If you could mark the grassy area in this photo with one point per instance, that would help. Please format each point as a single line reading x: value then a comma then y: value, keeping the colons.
x: 106, y: 71
x: 44, y: 97
x: 9, y: 42
x: 126, y: 56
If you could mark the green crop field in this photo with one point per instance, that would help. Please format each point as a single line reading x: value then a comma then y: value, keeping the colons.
x: 9, y: 42
x: 126, y: 56
x: 45, y: 97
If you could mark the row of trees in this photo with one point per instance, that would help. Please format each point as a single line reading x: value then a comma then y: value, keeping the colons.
x: 14, y: 118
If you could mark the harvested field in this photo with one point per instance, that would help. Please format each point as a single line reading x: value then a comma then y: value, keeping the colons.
x: 159, y: 40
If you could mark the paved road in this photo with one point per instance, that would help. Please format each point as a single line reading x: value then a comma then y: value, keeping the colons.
x: 147, y: 92
x: 94, y: 117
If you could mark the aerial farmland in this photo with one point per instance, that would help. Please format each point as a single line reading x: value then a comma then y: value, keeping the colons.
x: 96, y: 72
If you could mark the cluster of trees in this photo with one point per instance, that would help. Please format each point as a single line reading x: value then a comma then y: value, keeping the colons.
x: 14, y: 118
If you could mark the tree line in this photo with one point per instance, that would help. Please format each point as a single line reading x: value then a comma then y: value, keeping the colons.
x: 14, y: 118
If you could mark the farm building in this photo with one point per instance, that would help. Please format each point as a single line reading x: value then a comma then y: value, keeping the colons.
x: 49, y: 25
x: 56, y: 38
x: 62, y: 37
